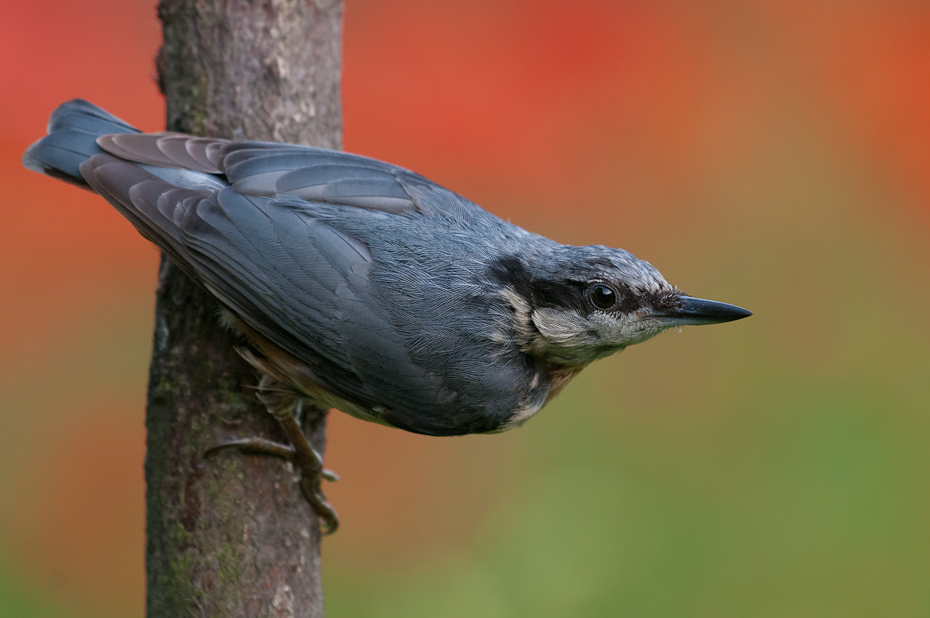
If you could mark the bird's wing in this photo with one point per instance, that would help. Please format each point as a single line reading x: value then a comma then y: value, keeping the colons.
x: 297, y: 281
x: 269, y: 169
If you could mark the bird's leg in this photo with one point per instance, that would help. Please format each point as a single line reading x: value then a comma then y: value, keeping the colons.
x: 310, y: 463
x: 286, y: 410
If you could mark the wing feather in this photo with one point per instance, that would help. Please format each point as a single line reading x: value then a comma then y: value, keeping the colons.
x: 164, y: 149
x: 296, y: 280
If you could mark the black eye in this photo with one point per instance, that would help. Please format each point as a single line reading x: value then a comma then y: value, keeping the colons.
x: 602, y: 296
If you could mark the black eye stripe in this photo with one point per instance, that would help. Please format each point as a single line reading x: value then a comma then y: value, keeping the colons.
x: 570, y: 294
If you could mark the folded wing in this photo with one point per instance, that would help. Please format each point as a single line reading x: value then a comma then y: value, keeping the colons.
x: 297, y: 281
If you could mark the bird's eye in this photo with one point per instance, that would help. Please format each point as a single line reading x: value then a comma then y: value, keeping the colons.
x: 602, y: 296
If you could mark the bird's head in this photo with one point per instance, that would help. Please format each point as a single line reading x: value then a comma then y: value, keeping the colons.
x: 573, y: 305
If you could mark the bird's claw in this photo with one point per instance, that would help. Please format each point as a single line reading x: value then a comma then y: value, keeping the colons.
x: 329, y: 475
x: 312, y: 473
x: 329, y: 521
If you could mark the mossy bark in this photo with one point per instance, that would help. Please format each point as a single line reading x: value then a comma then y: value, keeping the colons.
x: 231, y: 534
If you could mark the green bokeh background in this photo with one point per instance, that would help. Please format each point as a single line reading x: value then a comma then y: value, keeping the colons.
x: 771, y: 156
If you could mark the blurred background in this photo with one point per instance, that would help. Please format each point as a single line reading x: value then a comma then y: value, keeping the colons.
x: 771, y: 154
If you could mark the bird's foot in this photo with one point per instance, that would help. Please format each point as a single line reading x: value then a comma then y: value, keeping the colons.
x: 307, y: 460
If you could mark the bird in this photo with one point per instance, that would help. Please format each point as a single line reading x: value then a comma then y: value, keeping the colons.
x: 365, y: 287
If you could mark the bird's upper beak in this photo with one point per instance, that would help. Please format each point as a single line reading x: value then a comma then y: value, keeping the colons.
x: 689, y: 311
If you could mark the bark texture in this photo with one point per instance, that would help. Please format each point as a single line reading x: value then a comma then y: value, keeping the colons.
x: 231, y: 534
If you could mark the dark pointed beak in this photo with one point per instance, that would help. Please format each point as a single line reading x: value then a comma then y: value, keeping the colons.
x: 688, y: 311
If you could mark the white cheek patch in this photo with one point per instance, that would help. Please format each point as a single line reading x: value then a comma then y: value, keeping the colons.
x: 566, y: 337
x: 571, y: 338
x: 560, y: 326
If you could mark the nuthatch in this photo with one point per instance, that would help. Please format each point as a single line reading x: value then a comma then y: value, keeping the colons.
x: 365, y: 287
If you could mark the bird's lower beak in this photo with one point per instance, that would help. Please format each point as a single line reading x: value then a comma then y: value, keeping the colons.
x: 697, y: 311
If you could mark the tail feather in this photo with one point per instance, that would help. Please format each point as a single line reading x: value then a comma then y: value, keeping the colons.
x: 73, y: 129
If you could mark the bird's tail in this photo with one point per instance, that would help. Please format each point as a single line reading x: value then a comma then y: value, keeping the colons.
x: 73, y: 129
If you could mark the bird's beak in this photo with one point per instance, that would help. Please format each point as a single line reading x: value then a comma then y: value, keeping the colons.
x: 690, y: 311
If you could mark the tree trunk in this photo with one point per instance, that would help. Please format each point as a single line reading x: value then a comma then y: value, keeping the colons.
x: 231, y: 534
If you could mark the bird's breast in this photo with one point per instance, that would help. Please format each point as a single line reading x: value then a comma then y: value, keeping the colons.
x: 559, y: 377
